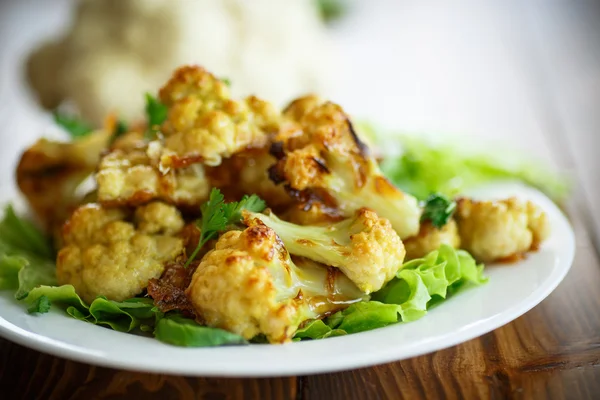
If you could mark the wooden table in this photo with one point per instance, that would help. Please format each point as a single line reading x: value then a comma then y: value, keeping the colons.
x: 553, y: 351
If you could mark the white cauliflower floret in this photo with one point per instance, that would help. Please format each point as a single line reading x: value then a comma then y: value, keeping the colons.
x: 365, y: 247
x: 431, y: 238
x: 249, y: 285
x: 105, y: 255
x: 132, y: 177
x: 205, y: 125
x: 497, y: 230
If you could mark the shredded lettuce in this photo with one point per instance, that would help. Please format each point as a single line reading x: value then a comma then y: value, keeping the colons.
x: 424, y: 168
x: 419, y: 285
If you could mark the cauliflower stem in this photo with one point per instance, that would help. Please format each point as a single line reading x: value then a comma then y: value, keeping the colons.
x: 364, y: 247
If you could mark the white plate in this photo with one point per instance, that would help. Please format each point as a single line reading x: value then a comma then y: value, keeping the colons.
x: 511, y: 291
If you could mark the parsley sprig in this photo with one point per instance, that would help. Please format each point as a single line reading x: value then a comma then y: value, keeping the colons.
x: 156, y: 112
x: 74, y: 126
x: 218, y: 215
x: 438, y: 209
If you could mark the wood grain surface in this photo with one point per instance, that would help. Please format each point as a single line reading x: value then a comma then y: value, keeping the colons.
x: 552, y: 351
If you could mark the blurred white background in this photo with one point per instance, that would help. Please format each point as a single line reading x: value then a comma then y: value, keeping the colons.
x: 513, y: 75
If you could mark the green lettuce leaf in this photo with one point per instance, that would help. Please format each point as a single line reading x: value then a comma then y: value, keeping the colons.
x: 26, y: 256
x: 424, y: 168
x: 419, y: 285
x: 121, y: 316
x: 364, y: 316
x: 426, y: 281
x: 177, y: 330
x: 40, y: 306
x: 317, y: 329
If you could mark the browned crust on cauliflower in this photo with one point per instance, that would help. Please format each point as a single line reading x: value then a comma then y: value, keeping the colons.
x: 205, y: 125
x: 431, y: 238
x: 132, y: 177
x: 49, y: 173
x: 325, y: 161
x: 502, y: 229
x: 104, y: 254
x: 233, y: 287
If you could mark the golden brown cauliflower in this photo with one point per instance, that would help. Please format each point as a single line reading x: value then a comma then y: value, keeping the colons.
x: 205, y: 125
x: 431, y: 238
x: 50, y: 172
x: 497, y: 230
x: 132, y: 177
x: 249, y: 285
x: 105, y: 254
x: 247, y: 173
x: 325, y: 162
x: 365, y: 247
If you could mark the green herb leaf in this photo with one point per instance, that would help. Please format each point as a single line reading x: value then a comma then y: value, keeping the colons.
x: 73, y: 125
x: 438, y: 209
x: 226, y: 81
x: 177, y: 330
x: 331, y: 9
x: 218, y: 215
x: 156, y: 113
x: 40, y: 306
x: 233, y: 210
x: 120, y: 129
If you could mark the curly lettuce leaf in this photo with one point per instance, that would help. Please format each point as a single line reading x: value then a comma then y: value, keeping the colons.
x: 424, y: 168
x: 179, y: 331
x: 120, y: 316
x: 364, y: 316
x: 430, y: 278
x: 26, y: 256
x: 419, y: 285
x: 317, y: 329
x: 19, y: 236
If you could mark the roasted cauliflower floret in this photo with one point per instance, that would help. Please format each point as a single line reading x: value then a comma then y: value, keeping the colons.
x: 311, y: 214
x: 105, y: 254
x: 496, y: 230
x: 132, y: 177
x: 431, y: 238
x: 249, y: 285
x: 326, y: 162
x: 247, y: 173
x: 205, y: 124
x: 365, y: 247
x: 50, y: 172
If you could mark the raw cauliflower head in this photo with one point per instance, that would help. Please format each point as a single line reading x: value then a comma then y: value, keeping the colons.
x: 115, y: 51
x: 322, y: 160
x: 431, y: 238
x: 205, y: 125
x: 105, y: 254
x: 241, y: 286
x: 496, y: 230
